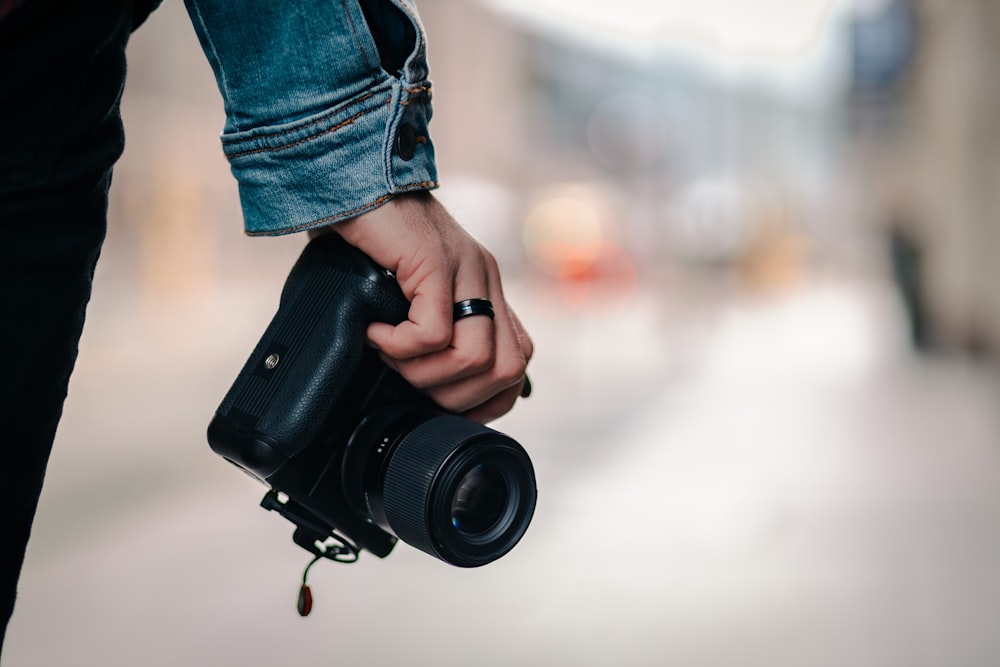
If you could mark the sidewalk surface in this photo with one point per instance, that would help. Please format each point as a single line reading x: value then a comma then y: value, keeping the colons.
x: 766, y: 483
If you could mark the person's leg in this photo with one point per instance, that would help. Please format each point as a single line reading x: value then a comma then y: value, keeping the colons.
x: 60, y: 129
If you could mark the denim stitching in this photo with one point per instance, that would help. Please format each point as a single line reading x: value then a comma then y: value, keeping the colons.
x: 366, y: 96
x: 322, y: 118
x: 422, y: 185
x: 267, y: 149
x: 419, y: 95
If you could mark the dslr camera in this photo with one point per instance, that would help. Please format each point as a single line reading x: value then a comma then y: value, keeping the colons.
x: 354, y: 456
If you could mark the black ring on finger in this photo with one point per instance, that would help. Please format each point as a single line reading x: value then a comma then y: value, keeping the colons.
x: 470, y: 307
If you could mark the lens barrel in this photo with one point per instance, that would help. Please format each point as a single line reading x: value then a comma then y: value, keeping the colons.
x: 458, y: 491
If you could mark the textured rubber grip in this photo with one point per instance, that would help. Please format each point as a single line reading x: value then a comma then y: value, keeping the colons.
x: 296, y: 378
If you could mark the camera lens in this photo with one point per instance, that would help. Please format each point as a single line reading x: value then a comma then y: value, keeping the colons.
x: 453, y: 488
x: 480, y: 500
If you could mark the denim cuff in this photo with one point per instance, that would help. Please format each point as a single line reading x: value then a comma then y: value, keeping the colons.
x: 336, y: 164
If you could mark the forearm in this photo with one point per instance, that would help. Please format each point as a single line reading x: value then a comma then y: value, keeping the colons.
x: 317, y: 131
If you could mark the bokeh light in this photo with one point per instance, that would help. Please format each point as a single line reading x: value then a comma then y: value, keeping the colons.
x: 572, y: 236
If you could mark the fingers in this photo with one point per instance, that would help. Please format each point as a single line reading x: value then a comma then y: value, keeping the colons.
x: 471, y: 352
x: 474, y: 366
x: 488, y: 387
x: 471, y: 346
x: 428, y: 327
x: 507, y: 372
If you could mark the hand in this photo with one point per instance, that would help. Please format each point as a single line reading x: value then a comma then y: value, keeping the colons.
x: 475, y: 366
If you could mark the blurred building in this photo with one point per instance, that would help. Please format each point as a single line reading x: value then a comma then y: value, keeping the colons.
x: 932, y: 166
x: 651, y: 155
x: 883, y: 127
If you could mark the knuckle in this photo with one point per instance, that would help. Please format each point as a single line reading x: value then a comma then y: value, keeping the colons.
x: 527, y: 348
x: 491, y: 261
x: 511, y: 370
x: 477, y: 360
x: 434, y: 337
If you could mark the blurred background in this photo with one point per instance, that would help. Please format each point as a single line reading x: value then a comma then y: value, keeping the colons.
x: 754, y: 243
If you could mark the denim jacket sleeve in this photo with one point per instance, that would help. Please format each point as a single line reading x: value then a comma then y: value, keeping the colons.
x: 327, y: 104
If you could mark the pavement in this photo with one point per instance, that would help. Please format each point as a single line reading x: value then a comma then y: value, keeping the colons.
x: 754, y: 481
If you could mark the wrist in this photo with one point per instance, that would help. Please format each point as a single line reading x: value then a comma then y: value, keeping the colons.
x: 403, y: 209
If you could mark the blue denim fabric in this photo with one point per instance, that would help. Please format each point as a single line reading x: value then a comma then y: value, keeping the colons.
x: 317, y: 130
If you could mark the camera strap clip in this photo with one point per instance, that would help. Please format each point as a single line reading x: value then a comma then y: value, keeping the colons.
x: 334, y: 546
x: 311, y: 536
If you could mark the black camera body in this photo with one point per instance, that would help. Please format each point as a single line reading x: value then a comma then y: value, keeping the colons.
x: 347, y: 446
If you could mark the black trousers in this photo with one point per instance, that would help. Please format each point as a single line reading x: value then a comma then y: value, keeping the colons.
x: 62, y: 69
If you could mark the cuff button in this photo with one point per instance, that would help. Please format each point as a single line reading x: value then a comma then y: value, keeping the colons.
x: 407, y: 140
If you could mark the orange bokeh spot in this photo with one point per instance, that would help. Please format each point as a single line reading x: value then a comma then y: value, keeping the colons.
x: 597, y: 279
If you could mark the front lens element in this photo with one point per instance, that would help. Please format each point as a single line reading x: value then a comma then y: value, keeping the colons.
x: 480, y: 501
